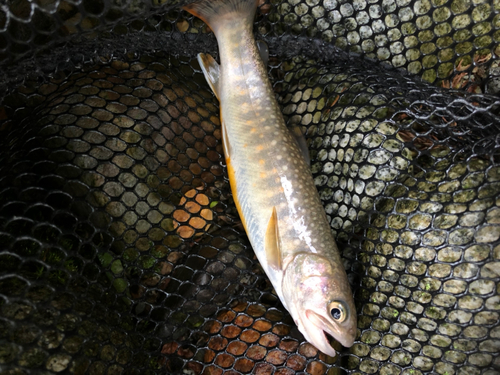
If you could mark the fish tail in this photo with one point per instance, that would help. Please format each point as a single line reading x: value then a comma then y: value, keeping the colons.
x: 213, y: 11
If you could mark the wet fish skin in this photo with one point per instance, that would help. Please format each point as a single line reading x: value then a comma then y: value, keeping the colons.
x: 272, y: 184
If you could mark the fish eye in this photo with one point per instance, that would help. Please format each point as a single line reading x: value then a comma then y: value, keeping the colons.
x: 337, y: 311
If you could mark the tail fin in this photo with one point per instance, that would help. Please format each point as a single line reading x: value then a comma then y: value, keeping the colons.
x: 212, y: 11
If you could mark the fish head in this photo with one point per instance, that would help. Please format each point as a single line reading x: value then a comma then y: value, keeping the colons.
x: 319, y: 298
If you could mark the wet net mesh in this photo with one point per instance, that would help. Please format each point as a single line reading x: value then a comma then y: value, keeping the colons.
x: 121, y: 251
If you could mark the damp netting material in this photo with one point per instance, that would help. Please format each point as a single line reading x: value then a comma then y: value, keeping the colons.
x: 121, y: 248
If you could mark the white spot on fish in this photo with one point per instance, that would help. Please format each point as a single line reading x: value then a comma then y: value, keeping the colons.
x: 299, y: 220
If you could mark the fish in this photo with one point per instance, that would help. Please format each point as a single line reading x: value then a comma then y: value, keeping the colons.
x: 271, y: 181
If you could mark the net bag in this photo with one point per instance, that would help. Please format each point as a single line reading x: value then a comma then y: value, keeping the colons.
x: 121, y: 250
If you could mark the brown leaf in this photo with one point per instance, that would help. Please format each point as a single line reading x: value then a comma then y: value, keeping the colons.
x: 181, y: 215
x: 185, y: 231
x: 197, y: 222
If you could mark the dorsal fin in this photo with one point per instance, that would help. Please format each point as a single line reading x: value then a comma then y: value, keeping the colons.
x: 263, y: 52
x: 301, y: 142
x: 272, y: 243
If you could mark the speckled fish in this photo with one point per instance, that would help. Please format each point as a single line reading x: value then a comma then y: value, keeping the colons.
x: 272, y: 184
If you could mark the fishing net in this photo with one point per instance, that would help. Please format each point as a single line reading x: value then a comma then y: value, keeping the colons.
x: 121, y: 248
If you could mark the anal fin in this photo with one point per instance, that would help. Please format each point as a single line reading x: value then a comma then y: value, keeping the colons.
x: 211, y: 71
x: 272, y: 243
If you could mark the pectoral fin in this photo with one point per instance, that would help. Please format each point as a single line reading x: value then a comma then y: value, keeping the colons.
x: 301, y: 142
x: 211, y: 70
x: 272, y: 242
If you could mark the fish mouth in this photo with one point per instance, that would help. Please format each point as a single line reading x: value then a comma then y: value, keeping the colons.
x: 321, y: 340
x: 326, y: 332
x: 329, y: 338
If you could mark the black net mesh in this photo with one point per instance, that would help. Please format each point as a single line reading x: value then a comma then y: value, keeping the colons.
x: 121, y: 248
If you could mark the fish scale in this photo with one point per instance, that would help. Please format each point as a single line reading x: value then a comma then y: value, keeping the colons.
x: 251, y: 193
x: 271, y: 183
